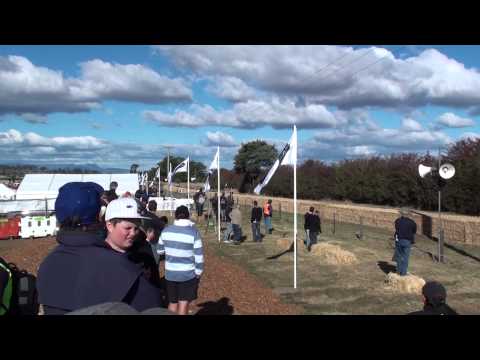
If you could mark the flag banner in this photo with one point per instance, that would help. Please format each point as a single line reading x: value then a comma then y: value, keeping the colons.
x: 182, y: 167
x: 214, y: 163
x: 157, y: 175
x: 206, y: 186
x: 288, y: 156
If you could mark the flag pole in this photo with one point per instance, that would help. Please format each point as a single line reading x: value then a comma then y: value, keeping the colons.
x: 218, y: 191
x: 188, y: 178
x: 295, y: 222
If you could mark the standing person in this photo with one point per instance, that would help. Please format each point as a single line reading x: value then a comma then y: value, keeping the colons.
x: 405, y: 230
x: 141, y: 195
x: 112, y: 192
x: 86, y: 268
x: 306, y: 225
x: 255, y: 219
x: 236, y: 217
x: 201, y: 202
x: 223, y: 207
x: 434, y: 300
x: 267, y: 214
x: 182, y: 245
x: 315, y: 229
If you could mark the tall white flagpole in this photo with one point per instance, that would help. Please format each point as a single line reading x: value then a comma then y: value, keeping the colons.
x: 295, y: 223
x: 188, y: 178
x: 218, y: 191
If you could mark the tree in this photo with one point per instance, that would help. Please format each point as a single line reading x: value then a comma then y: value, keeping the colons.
x: 253, y: 158
x: 133, y: 168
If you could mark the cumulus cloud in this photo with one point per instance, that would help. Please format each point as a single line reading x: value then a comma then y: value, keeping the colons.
x: 231, y: 88
x: 276, y: 113
x: 219, y: 139
x: 34, y: 90
x: 338, y: 75
x: 409, y: 124
x: 451, y: 120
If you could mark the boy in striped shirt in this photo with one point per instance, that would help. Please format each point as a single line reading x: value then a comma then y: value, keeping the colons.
x: 182, y: 246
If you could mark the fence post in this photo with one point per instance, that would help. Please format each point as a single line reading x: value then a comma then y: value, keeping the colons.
x: 361, y: 228
x: 334, y: 220
x: 280, y: 209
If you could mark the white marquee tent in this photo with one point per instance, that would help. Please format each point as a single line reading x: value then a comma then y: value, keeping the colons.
x: 46, y: 186
x: 6, y: 193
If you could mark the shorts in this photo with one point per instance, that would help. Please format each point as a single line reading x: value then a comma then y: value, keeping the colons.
x: 182, y: 291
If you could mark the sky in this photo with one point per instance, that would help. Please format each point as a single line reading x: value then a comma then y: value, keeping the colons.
x: 118, y: 105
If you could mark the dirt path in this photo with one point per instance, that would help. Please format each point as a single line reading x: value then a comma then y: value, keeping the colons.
x: 225, y: 288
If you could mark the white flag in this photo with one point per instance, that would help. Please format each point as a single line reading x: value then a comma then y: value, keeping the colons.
x: 182, y: 167
x: 214, y: 163
x: 288, y: 156
x: 157, y: 175
x: 206, y: 186
x: 169, y: 176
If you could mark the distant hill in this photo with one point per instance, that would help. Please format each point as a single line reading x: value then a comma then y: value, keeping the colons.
x: 54, y: 167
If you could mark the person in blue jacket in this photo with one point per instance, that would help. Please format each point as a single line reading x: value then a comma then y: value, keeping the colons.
x: 90, y: 264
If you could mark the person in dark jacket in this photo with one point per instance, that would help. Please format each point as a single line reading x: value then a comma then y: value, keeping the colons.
x: 255, y: 219
x: 112, y: 192
x: 89, y: 267
x: 434, y: 300
x: 306, y: 225
x: 315, y: 229
x: 141, y: 194
x: 405, y: 230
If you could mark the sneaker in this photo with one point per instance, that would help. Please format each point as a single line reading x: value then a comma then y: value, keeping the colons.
x: 228, y: 241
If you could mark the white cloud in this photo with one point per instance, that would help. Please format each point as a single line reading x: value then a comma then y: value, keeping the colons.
x: 231, y: 88
x: 219, y: 139
x: 34, y: 90
x: 409, y: 124
x: 276, y: 113
x: 451, y: 120
x: 338, y: 75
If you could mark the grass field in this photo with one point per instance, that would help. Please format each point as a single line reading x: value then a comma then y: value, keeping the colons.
x: 351, y: 289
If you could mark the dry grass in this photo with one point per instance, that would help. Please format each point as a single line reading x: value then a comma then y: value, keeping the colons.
x: 409, y: 284
x: 334, y: 254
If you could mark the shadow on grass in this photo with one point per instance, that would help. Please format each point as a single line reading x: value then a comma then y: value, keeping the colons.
x: 386, y: 267
x: 220, y: 307
x: 274, y: 257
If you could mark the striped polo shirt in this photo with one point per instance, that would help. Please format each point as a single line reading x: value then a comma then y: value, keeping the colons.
x: 182, y: 246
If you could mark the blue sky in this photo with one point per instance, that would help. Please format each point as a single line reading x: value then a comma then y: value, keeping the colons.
x: 118, y: 105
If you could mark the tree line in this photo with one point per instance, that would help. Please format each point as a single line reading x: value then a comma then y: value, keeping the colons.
x: 391, y: 180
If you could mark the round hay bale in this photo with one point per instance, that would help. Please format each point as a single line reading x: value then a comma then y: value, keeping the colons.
x: 334, y: 254
x: 409, y: 284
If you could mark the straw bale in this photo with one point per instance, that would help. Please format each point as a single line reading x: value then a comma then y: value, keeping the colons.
x: 334, y: 254
x: 410, y: 284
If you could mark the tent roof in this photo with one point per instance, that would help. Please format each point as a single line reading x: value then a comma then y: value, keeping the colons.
x: 40, y: 186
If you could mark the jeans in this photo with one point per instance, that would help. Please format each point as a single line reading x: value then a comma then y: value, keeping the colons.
x: 228, y: 231
x: 312, y: 237
x: 256, y: 231
x: 199, y: 209
x: 307, y: 237
x: 268, y: 224
x: 403, y: 255
x: 237, y: 232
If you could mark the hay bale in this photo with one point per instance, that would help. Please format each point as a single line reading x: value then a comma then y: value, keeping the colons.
x: 334, y: 254
x: 410, y: 284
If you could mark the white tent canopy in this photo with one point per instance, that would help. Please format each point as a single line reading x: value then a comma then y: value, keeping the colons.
x: 46, y: 186
x: 6, y: 193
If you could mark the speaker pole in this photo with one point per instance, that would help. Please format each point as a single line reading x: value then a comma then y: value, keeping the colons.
x: 440, y: 225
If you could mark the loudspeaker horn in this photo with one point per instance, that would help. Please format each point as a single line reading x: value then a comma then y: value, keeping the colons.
x: 446, y: 171
x: 424, y: 170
